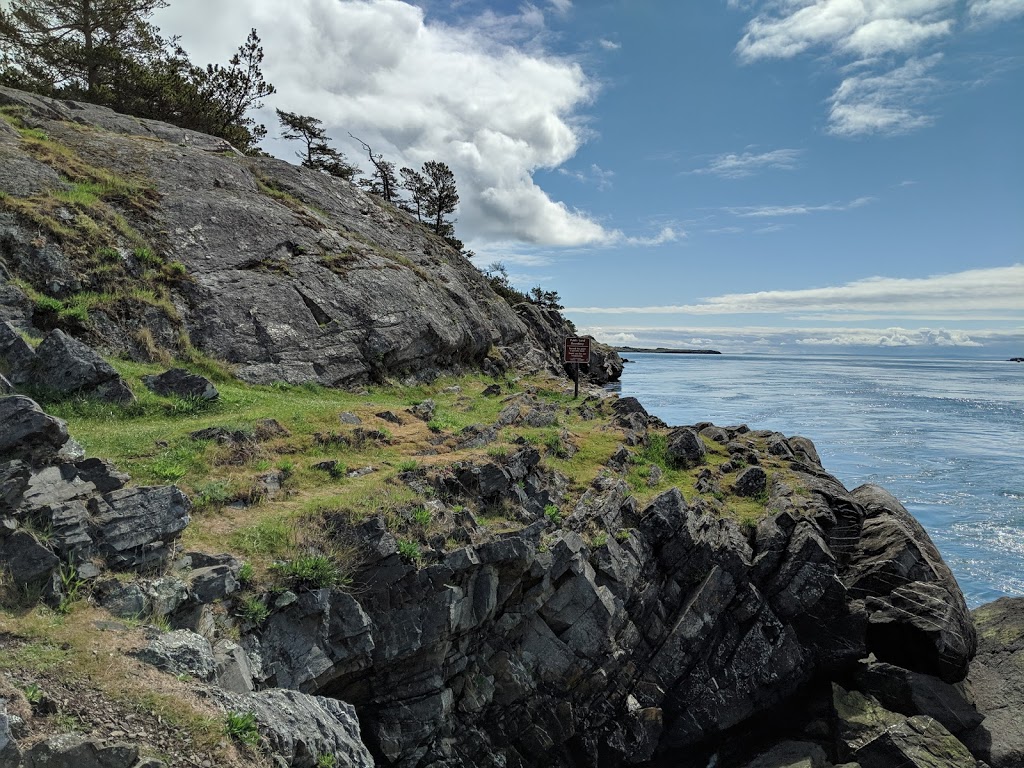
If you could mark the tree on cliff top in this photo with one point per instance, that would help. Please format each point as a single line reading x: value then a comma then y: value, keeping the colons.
x: 441, y: 196
x: 75, y: 47
x: 319, y: 154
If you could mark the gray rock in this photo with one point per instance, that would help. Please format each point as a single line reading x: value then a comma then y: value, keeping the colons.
x: 214, y: 583
x: 125, y: 601
x: 791, y: 754
x: 134, y: 527
x: 997, y: 680
x: 752, y: 481
x: 232, y: 667
x: 349, y: 418
x: 181, y: 652
x: 299, y: 728
x: 10, y: 754
x: 16, y: 355
x: 6, y: 387
x: 74, y: 751
x: 685, y: 449
x: 424, y: 410
x: 27, y: 561
x: 29, y: 434
x: 918, y: 742
x: 917, y: 616
x: 68, y: 366
x: 804, y: 449
x: 181, y: 383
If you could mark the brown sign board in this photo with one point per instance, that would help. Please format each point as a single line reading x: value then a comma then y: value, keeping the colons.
x: 577, y: 350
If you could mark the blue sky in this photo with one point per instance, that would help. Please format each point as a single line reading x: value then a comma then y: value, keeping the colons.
x: 813, y: 175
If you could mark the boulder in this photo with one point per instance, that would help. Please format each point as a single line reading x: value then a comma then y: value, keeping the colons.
x: 27, y: 561
x: 10, y: 754
x: 73, y: 751
x: 17, y: 357
x: 997, y: 679
x: 181, y: 653
x: 424, y: 410
x: 917, y: 617
x: 300, y: 728
x: 6, y: 388
x: 685, y: 449
x: 791, y: 754
x: 133, y: 527
x: 28, y: 433
x: 917, y: 742
x: 67, y: 366
x: 752, y: 481
x: 181, y: 383
x: 232, y: 667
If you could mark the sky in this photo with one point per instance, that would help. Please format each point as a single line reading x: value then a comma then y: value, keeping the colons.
x: 818, y: 176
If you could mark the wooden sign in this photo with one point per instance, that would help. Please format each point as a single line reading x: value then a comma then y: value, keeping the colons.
x: 577, y: 350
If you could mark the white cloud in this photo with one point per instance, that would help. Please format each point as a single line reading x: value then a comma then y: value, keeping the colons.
x: 561, y: 7
x: 595, y: 175
x: 996, y: 10
x: 773, y: 211
x: 733, y: 166
x: 883, y: 97
x: 484, y: 97
x: 992, y: 292
x: 609, y: 45
x: 883, y: 103
x: 864, y: 27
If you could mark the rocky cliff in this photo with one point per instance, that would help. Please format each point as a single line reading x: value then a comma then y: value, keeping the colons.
x: 145, y: 239
x: 824, y: 631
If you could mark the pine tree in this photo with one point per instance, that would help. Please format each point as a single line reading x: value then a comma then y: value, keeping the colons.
x: 416, y: 185
x: 319, y: 154
x: 383, y: 181
x: 441, y: 196
x: 75, y: 47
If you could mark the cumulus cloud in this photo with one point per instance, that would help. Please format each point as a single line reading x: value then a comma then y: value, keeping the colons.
x: 883, y: 103
x: 993, y: 292
x: 883, y: 97
x: 996, y: 10
x: 609, y: 45
x: 738, y: 166
x: 862, y: 27
x: 483, y: 96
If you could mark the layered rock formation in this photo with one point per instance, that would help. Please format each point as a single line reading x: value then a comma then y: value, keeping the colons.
x: 664, y: 635
x: 286, y: 273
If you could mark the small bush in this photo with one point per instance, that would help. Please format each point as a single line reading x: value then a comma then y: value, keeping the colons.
x: 253, y: 609
x: 246, y: 574
x: 422, y: 517
x: 408, y: 465
x: 241, y: 726
x: 410, y: 550
x: 553, y: 513
x: 325, y: 761
x: 310, y: 571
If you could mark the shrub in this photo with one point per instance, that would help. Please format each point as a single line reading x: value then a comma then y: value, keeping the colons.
x: 410, y: 550
x: 553, y: 513
x: 253, y: 609
x: 310, y: 571
x: 422, y: 517
x: 241, y: 726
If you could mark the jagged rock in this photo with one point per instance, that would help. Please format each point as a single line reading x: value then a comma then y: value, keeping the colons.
x: 10, y: 754
x: 66, y: 365
x: 917, y: 742
x: 214, y: 582
x: 791, y: 754
x: 997, y: 680
x: 423, y: 410
x: 752, y: 481
x: 232, y: 667
x: 102, y: 474
x: 6, y: 387
x: 685, y: 449
x: 16, y: 355
x: 125, y: 601
x: 181, y: 383
x: 492, y: 390
x: 804, y: 449
x: 626, y: 405
x: 73, y: 751
x: 860, y: 720
x: 133, y: 527
x: 475, y: 436
x: 267, y: 429
x: 300, y: 728
x: 28, y: 433
x: 27, y: 561
x: 349, y: 418
x: 181, y: 652
x: 390, y: 417
x: 911, y: 693
x: 917, y: 615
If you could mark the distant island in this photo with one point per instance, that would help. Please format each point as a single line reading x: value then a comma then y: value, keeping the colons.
x: 667, y: 351
x: 1017, y: 359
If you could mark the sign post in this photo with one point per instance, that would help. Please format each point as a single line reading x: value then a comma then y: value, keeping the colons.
x: 577, y: 350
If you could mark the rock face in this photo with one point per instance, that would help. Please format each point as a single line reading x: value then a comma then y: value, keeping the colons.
x: 84, y: 504
x: 997, y: 678
x: 289, y: 274
x: 646, y: 639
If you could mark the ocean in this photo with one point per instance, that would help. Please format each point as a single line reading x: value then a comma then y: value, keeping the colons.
x: 945, y: 436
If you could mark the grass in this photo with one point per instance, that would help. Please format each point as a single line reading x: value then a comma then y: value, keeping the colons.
x: 241, y: 726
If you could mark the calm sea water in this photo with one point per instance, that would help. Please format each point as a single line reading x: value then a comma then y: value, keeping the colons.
x: 945, y: 436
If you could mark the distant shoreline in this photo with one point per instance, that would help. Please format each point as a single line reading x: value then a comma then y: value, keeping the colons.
x: 668, y: 351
